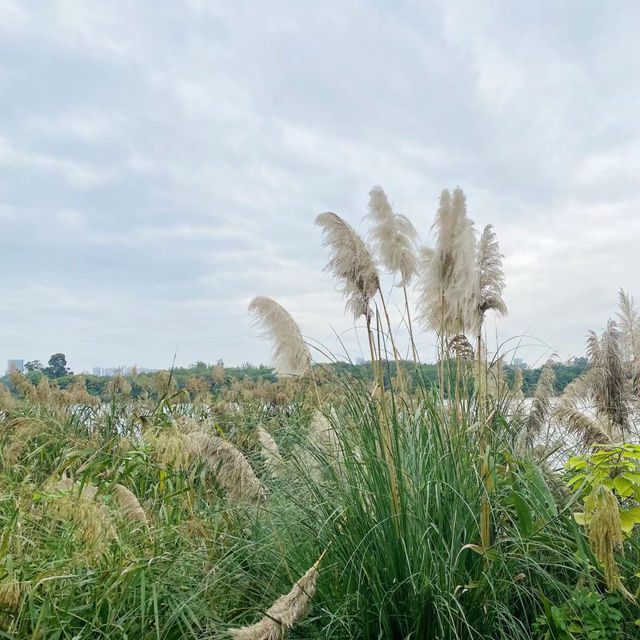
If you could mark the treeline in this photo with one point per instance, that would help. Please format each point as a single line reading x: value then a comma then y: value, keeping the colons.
x: 213, y: 378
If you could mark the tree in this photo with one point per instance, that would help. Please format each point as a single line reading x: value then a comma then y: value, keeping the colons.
x: 58, y: 366
x: 32, y: 366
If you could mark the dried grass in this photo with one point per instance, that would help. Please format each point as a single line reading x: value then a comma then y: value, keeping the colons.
x: 393, y: 237
x: 290, y: 353
x: 448, y: 283
x: 350, y: 263
x: 285, y: 612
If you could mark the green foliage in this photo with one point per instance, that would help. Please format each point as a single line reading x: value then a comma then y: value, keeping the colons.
x: 587, y: 615
x: 420, y: 571
x: 616, y: 467
x: 57, y: 366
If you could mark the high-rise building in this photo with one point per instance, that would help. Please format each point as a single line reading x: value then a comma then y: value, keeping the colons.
x: 15, y: 364
x: 97, y: 371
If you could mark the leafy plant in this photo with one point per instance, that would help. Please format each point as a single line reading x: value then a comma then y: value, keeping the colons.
x: 616, y: 467
x: 587, y: 615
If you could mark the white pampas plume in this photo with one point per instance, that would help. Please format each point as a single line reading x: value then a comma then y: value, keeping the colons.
x: 448, y: 280
x: 233, y: 471
x: 284, y: 613
x: 607, y: 378
x: 603, y: 388
x: 491, y: 281
x: 269, y: 449
x: 541, y: 406
x: 516, y: 389
x: 129, y: 504
x: 569, y: 412
x: 350, y: 262
x: 629, y: 320
x: 323, y: 432
x: 393, y: 237
x: 290, y: 353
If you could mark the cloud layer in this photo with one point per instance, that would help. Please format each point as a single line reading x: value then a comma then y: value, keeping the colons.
x: 162, y: 163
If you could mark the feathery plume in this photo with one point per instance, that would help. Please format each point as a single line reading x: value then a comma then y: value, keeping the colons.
x: 496, y: 378
x: 460, y: 347
x: 118, y: 385
x: 11, y: 593
x: 448, y: 283
x: 269, y: 449
x: 568, y: 411
x: 129, y: 504
x: 170, y: 448
x: 541, y: 406
x: 290, y: 353
x: 607, y: 376
x: 516, y: 390
x: 629, y: 319
x: 323, y: 432
x: 350, y: 262
x: 24, y: 429
x: 491, y: 281
x: 285, y: 612
x: 217, y: 375
x: 605, y: 534
x: 78, y: 393
x: 23, y: 386
x: 91, y: 516
x: 603, y: 388
x: 393, y: 237
x: 7, y: 403
x: 231, y: 468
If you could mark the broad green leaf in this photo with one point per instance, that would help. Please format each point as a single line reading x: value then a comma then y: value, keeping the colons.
x: 576, y: 462
x: 627, y: 521
x: 632, y: 476
x: 576, y: 479
x: 623, y: 486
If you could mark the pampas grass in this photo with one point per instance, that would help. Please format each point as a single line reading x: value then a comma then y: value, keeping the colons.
x: 189, y: 444
x: 603, y: 388
x: 569, y: 412
x: 393, y: 237
x: 129, y: 505
x: 607, y: 378
x: 285, y: 612
x: 541, y: 406
x: 350, y: 263
x: 491, y: 280
x: 232, y: 470
x: 448, y: 280
x: 629, y: 321
x: 269, y: 449
x: 322, y: 432
x: 92, y: 518
x: 290, y: 353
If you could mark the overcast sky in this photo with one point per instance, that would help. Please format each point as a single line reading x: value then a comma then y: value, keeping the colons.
x: 162, y: 162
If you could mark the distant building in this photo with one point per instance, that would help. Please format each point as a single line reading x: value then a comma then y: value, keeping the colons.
x: 519, y: 363
x: 97, y: 371
x: 359, y: 360
x: 15, y: 364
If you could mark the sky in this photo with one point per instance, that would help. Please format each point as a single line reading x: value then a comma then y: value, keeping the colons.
x: 162, y: 162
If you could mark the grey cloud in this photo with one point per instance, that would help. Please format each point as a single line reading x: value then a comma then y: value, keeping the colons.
x: 161, y: 163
